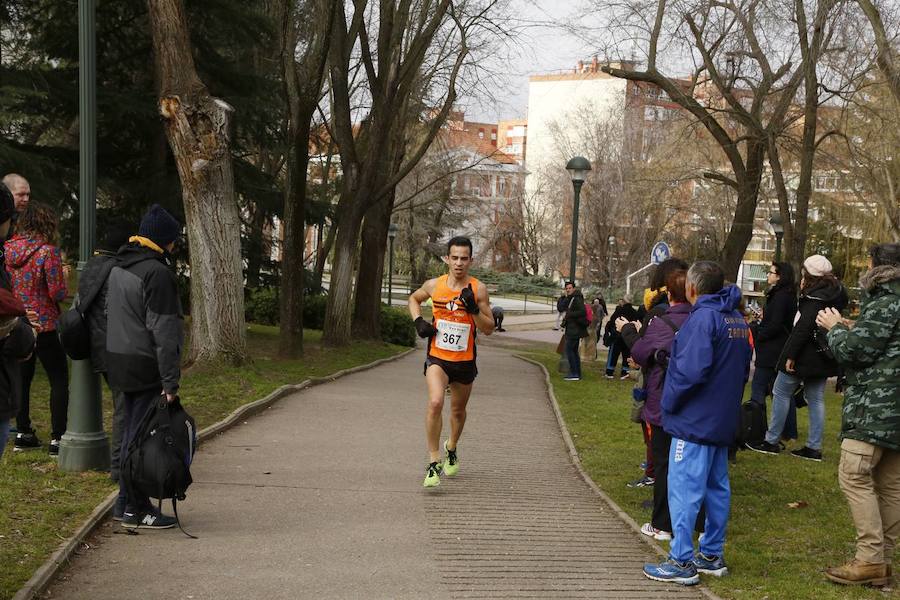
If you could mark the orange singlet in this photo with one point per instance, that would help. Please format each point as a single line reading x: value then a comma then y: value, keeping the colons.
x: 455, y: 339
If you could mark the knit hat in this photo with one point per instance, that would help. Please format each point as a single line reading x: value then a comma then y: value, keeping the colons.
x: 817, y: 265
x: 159, y: 226
x: 7, y: 204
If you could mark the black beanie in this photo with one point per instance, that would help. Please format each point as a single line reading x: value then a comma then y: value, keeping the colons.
x: 7, y: 204
x: 159, y: 226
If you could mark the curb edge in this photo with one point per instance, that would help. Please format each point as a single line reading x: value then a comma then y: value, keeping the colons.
x: 576, y: 461
x: 62, y: 555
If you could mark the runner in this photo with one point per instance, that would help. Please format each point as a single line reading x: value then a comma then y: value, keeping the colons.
x: 460, y: 304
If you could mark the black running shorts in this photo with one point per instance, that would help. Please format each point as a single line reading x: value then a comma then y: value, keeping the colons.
x: 463, y: 372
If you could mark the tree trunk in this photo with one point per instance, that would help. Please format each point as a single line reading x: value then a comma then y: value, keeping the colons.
x: 323, y: 251
x: 367, y: 312
x: 197, y: 127
x: 340, y: 289
x: 290, y: 339
x: 741, y: 231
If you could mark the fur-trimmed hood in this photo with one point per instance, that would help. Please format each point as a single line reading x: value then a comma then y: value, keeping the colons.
x: 883, y: 274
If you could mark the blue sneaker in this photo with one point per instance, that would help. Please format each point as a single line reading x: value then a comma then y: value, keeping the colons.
x: 710, y: 565
x: 673, y: 571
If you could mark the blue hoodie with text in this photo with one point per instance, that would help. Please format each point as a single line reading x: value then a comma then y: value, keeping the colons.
x: 708, y: 368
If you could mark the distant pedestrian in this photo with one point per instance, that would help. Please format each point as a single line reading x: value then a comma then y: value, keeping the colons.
x: 805, y: 360
x: 869, y: 472
x: 34, y: 262
x: 613, y: 340
x: 497, y: 312
x: 705, y: 378
x: 144, y: 339
x: 575, y: 324
x: 770, y: 335
x: 16, y: 335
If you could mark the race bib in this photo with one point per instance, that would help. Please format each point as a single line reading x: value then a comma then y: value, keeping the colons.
x: 453, y: 336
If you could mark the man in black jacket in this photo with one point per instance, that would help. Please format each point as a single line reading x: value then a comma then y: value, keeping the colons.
x: 144, y: 338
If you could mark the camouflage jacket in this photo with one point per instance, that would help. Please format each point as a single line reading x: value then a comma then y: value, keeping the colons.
x: 870, y: 354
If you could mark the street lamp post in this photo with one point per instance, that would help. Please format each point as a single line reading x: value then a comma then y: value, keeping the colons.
x: 84, y: 445
x: 392, y: 233
x: 610, y: 240
x: 778, y: 228
x: 578, y: 168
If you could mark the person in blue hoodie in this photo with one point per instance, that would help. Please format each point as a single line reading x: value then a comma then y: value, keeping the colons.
x: 708, y: 368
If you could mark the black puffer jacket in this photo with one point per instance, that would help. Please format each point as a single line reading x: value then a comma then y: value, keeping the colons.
x: 809, y: 360
x: 624, y: 310
x: 771, y: 333
x: 14, y: 348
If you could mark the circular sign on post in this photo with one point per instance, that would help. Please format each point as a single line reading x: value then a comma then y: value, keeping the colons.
x: 660, y: 252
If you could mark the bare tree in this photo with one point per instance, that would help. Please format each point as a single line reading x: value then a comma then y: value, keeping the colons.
x: 197, y: 127
x: 395, y: 44
x: 745, y: 78
x: 886, y: 56
x: 306, y: 27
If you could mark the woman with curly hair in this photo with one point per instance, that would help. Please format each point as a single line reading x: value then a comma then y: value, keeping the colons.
x: 34, y: 262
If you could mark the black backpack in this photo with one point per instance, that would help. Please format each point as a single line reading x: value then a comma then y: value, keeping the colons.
x: 158, y: 460
x: 72, y: 328
x: 753, y: 423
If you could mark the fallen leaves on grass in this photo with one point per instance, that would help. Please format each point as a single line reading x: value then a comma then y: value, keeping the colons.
x: 798, y: 504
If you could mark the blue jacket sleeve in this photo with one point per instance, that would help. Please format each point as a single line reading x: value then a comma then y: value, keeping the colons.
x: 690, y: 363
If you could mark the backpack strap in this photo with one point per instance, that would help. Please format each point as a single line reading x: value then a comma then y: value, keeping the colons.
x: 668, y: 322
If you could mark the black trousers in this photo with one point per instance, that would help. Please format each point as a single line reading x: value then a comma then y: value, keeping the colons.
x: 53, y: 358
x: 135, y: 405
x: 660, y: 441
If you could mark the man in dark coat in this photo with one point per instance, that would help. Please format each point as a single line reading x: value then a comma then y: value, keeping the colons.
x: 144, y: 338
x: 770, y: 335
x: 575, y: 324
x: 613, y: 339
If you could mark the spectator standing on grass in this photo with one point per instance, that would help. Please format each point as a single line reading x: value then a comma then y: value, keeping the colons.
x: 144, y: 338
x: 16, y: 335
x: 869, y: 472
x: 770, y: 335
x: 40, y: 280
x: 708, y: 368
x: 805, y: 360
x: 575, y: 325
x: 613, y: 341
x: 650, y: 348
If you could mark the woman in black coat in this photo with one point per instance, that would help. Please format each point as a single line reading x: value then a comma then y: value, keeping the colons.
x: 770, y: 335
x: 806, y: 359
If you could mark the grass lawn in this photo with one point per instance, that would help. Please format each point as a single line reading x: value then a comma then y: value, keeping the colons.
x: 41, y: 506
x: 772, y: 551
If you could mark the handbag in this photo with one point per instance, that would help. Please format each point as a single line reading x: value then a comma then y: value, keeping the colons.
x: 799, y: 397
x: 820, y: 339
x: 561, y: 346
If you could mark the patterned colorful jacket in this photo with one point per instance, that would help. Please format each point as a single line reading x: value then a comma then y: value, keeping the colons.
x: 37, y: 277
x: 870, y: 354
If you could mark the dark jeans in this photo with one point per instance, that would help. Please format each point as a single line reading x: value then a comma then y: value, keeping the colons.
x: 53, y: 358
x: 660, y: 442
x: 572, y: 344
x: 618, y: 348
x: 761, y: 386
x: 136, y: 405
x: 498, y: 321
x: 118, y: 425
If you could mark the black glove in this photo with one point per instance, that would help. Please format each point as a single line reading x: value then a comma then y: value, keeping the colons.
x: 424, y: 328
x: 467, y: 297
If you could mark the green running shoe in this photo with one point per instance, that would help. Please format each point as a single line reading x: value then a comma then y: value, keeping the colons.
x: 451, y: 462
x: 433, y: 475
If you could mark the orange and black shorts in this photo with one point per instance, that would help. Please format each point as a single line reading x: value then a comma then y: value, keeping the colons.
x: 463, y: 372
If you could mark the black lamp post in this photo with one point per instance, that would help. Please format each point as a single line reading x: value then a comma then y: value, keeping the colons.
x: 778, y: 228
x: 578, y: 168
x: 392, y: 233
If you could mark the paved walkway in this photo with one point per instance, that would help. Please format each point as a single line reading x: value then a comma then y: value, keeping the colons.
x: 320, y: 497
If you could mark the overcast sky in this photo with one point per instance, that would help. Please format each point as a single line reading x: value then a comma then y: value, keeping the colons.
x: 539, y: 49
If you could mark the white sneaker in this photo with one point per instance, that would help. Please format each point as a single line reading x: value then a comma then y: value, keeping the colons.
x: 657, y: 534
